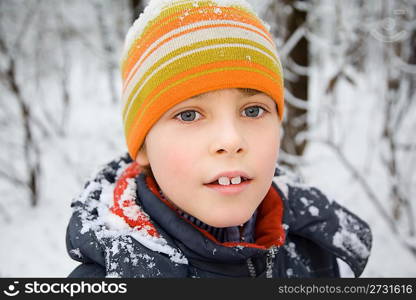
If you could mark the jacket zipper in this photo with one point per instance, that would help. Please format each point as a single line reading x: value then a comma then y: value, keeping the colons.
x: 270, y: 261
x: 251, y: 268
x: 271, y: 254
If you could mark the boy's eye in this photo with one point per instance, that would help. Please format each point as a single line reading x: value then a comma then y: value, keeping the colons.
x: 188, y: 115
x: 192, y: 115
x: 253, y: 111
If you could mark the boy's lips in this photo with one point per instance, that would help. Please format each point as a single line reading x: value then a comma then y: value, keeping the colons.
x: 231, y: 174
x: 230, y: 189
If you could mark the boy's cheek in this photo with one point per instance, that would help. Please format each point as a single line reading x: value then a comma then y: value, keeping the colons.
x: 269, y: 154
x: 177, y: 163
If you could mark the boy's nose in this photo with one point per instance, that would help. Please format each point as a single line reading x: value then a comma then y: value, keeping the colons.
x: 228, y: 139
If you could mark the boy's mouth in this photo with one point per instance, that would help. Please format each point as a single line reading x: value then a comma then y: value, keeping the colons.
x: 228, y: 178
x: 229, y: 183
x: 228, y: 187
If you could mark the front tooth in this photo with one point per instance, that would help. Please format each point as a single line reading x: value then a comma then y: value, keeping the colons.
x: 224, y: 180
x: 236, y: 180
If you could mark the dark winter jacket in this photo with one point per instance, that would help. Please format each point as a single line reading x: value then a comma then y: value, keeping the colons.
x: 122, y: 227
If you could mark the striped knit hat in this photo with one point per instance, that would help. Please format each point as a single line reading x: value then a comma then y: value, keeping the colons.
x: 178, y: 49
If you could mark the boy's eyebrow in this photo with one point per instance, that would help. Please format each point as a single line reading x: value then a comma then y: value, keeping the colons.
x: 196, y: 97
x: 244, y: 91
x: 249, y: 92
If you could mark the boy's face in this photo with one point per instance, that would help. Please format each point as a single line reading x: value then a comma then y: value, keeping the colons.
x: 225, y: 131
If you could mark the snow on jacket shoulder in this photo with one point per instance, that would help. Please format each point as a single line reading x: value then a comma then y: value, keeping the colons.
x: 152, y: 240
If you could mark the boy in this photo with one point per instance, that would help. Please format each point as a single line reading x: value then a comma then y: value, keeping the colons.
x: 199, y: 195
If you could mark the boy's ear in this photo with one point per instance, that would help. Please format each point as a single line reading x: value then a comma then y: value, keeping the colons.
x: 142, y: 158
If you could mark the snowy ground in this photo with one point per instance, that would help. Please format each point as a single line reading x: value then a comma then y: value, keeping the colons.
x: 33, y: 240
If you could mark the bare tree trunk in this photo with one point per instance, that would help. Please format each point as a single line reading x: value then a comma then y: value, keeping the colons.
x: 296, y: 117
x: 31, y: 151
x: 108, y: 50
x: 65, y: 70
x: 290, y: 22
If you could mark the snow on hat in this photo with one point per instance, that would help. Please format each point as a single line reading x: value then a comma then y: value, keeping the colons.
x: 178, y: 49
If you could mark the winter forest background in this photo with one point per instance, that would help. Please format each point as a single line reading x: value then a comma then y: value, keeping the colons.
x: 350, y: 75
